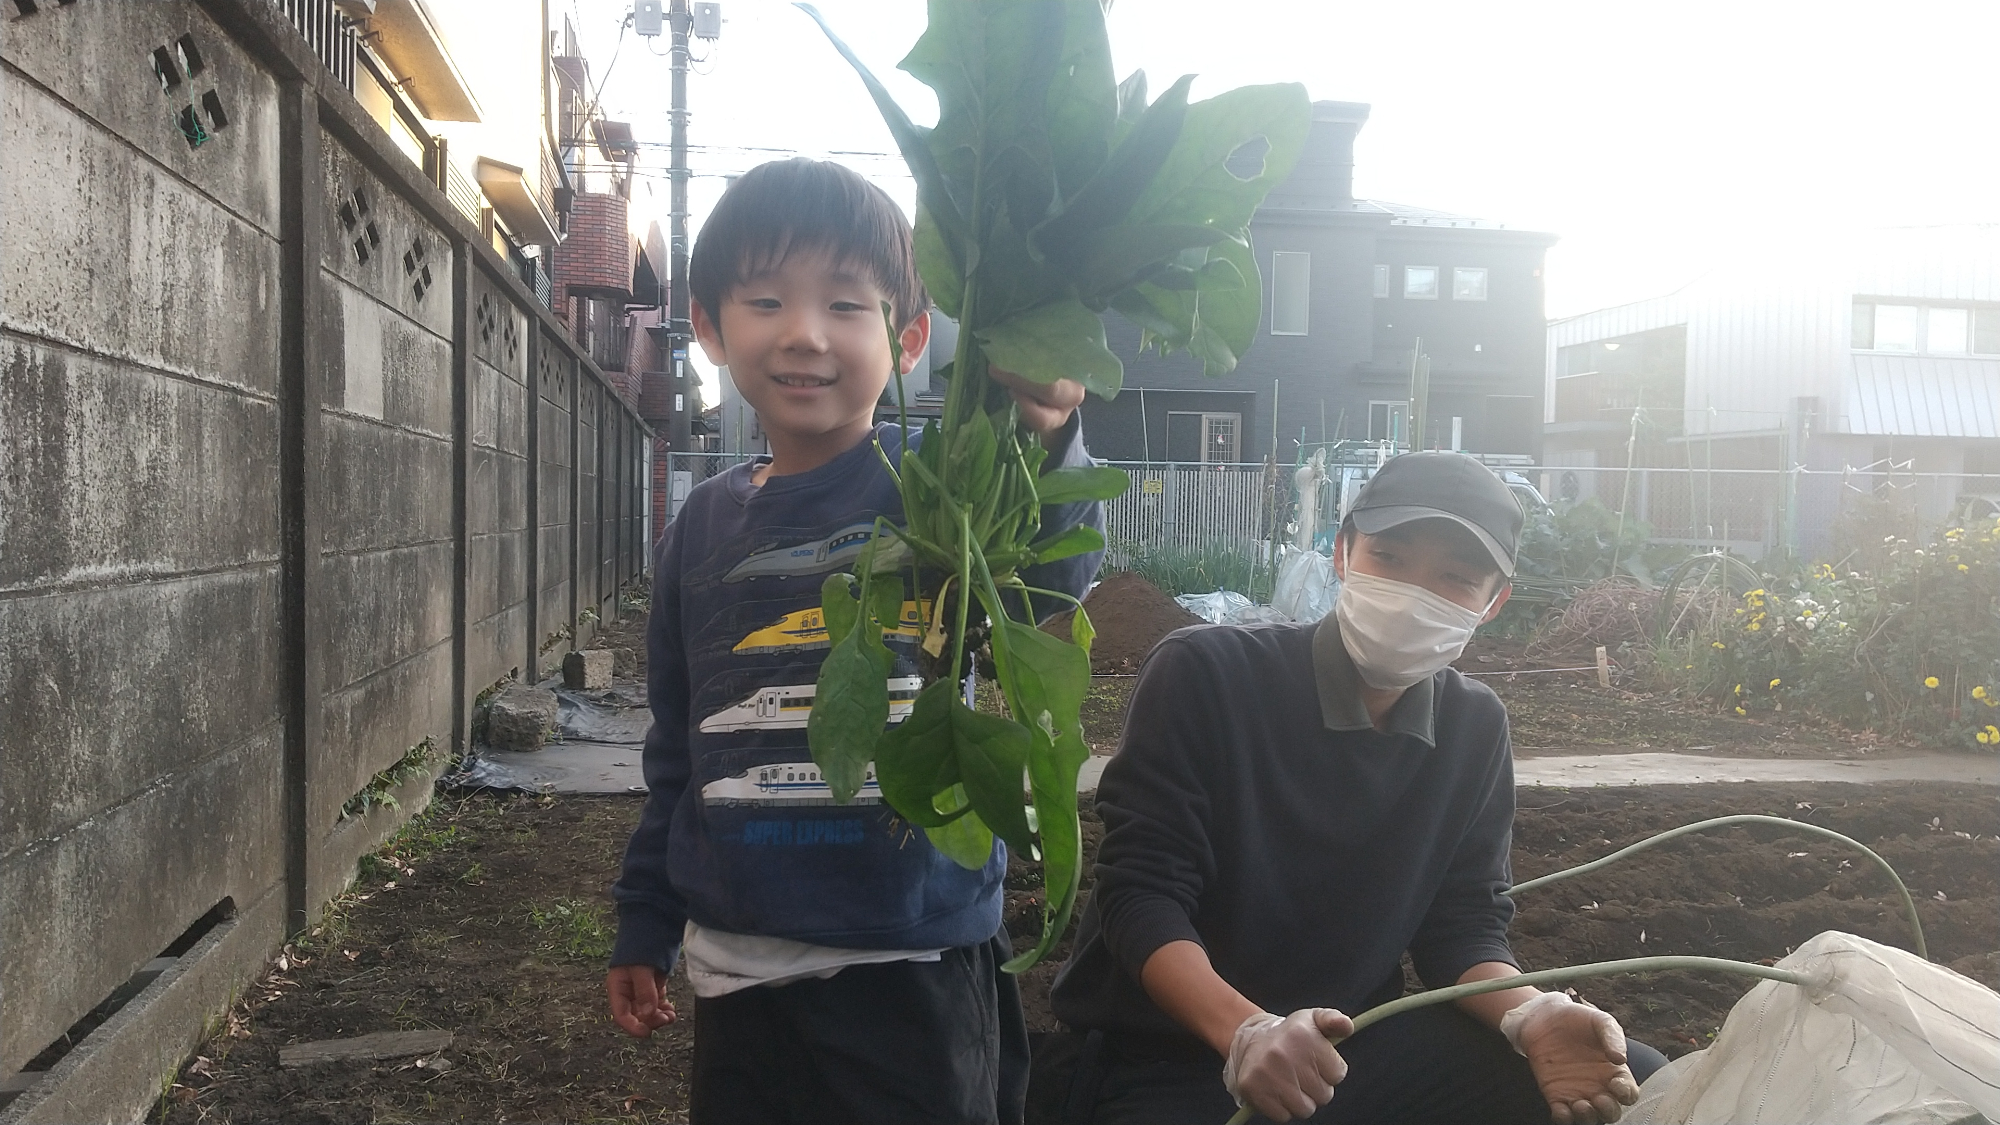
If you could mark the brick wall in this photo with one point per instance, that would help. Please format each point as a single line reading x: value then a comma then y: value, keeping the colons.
x: 595, y: 258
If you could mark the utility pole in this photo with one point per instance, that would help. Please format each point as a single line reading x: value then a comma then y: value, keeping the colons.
x: 680, y: 329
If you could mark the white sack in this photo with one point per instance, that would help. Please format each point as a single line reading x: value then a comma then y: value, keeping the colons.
x: 1881, y: 1037
x: 1306, y: 585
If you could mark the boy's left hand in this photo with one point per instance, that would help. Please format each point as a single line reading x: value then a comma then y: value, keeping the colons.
x: 1045, y: 407
x: 1578, y: 1055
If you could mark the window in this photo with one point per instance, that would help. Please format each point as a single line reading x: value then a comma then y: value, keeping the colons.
x: 1864, y: 325
x: 1218, y: 437
x: 1945, y: 331
x: 1291, y: 291
x: 1895, y: 328
x: 1420, y: 283
x: 1381, y: 281
x: 1986, y: 331
x: 1207, y: 437
x: 1389, y: 421
x: 1468, y: 283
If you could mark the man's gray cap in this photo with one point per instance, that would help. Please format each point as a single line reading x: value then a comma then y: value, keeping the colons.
x: 1437, y: 484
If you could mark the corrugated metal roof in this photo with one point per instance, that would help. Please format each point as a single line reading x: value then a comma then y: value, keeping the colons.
x: 1924, y: 396
x: 1404, y: 215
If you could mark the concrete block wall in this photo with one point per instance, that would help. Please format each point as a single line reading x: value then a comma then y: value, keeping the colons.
x: 288, y: 475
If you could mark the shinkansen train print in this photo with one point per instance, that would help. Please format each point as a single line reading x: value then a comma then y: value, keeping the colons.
x: 787, y: 706
x: 815, y: 557
x: 784, y: 784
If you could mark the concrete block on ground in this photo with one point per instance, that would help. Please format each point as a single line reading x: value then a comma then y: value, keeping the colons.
x: 520, y: 718
x: 589, y: 669
x: 381, y: 1045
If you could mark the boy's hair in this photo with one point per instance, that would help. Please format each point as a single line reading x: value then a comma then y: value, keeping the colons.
x: 787, y: 207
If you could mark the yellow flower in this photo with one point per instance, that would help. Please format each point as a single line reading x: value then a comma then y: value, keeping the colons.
x: 1775, y: 683
x: 1717, y: 644
x: 1740, y: 710
x: 1931, y: 682
x: 1962, y: 568
x: 1979, y: 692
x: 1739, y: 689
x: 1981, y: 736
x: 1753, y: 626
x: 1993, y: 732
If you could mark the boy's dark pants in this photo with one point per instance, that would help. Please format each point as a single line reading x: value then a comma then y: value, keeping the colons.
x: 910, y: 1041
x: 1429, y: 1066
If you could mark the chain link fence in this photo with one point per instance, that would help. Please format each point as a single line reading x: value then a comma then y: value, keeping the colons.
x: 1752, y: 512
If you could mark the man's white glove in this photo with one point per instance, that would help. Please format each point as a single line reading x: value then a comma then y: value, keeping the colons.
x: 1283, y: 1066
x: 1578, y: 1056
x: 1544, y: 1007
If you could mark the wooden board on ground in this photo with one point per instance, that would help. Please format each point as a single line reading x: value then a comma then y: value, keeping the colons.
x: 381, y: 1045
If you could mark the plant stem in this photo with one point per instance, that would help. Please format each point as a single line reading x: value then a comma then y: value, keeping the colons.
x: 1909, y: 905
x: 1560, y: 976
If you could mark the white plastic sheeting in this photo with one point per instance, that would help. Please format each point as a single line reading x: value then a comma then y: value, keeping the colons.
x: 1880, y: 1037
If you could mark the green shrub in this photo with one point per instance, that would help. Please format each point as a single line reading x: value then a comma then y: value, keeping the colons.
x: 1564, y: 550
x: 1910, y: 646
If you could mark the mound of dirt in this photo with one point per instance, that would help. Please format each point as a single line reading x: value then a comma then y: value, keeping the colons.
x: 1130, y: 615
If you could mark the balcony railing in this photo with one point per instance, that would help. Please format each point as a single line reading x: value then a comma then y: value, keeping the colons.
x: 327, y: 32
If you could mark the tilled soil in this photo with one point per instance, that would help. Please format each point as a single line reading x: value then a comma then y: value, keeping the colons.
x: 1567, y: 712
x: 498, y: 923
x: 1130, y: 616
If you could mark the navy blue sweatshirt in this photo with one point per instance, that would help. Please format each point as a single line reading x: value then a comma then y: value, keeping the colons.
x: 1253, y: 809
x: 739, y: 832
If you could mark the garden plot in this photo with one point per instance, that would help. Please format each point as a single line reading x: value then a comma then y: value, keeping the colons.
x: 490, y: 920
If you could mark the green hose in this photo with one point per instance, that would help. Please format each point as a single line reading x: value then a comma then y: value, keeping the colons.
x: 1909, y: 904
x: 1557, y: 976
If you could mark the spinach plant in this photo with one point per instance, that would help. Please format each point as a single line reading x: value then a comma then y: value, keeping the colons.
x: 1047, y: 193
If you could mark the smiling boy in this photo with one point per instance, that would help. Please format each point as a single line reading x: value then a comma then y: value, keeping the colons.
x: 844, y: 970
x: 1294, y: 807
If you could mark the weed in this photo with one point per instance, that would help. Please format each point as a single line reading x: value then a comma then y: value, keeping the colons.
x: 380, y: 789
x: 471, y: 876
x: 573, y: 929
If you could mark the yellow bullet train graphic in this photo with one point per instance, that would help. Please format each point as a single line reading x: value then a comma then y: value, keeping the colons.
x: 787, y: 706
x: 785, y: 784
x: 806, y: 628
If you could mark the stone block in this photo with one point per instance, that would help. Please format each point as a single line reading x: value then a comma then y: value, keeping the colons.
x: 588, y: 669
x: 520, y: 718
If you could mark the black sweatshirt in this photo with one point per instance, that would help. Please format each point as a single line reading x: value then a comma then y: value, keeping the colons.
x: 1252, y: 808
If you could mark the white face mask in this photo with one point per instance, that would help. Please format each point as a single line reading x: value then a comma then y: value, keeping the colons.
x: 1398, y: 633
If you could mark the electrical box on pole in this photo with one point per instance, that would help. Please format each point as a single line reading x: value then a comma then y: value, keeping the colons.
x: 708, y: 21
x: 648, y: 18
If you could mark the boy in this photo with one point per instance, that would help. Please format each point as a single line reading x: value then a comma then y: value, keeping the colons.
x: 844, y: 970
x: 1292, y: 808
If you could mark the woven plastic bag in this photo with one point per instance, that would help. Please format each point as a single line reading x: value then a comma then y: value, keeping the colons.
x: 1879, y: 1037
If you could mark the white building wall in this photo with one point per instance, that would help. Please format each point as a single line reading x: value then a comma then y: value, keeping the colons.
x: 1775, y: 324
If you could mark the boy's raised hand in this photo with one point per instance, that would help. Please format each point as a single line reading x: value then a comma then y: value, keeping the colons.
x: 1045, y: 407
x: 639, y: 1004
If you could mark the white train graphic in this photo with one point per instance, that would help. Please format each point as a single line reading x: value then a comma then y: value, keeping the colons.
x: 787, y: 706
x: 783, y: 784
x: 817, y: 556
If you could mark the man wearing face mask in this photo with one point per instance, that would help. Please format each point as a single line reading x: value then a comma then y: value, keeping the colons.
x: 1294, y: 807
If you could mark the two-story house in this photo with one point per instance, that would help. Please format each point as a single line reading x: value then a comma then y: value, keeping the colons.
x: 1350, y: 286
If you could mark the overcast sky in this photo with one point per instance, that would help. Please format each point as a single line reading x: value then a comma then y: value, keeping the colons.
x: 1653, y: 138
